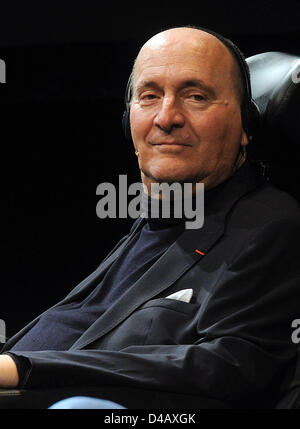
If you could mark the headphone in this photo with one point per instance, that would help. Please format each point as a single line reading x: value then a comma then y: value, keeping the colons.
x: 249, y: 110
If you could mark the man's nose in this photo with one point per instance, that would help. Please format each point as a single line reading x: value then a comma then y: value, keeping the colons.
x: 169, y: 115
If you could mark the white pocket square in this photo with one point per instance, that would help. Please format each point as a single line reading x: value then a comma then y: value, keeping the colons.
x: 182, y: 295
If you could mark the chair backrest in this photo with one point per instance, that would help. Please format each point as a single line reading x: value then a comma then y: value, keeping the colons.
x: 291, y: 398
x: 275, y: 82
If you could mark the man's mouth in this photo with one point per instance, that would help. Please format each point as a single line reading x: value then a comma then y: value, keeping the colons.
x: 171, y: 148
x: 170, y: 143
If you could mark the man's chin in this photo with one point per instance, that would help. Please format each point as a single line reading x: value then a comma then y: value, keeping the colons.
x: 170, y: 177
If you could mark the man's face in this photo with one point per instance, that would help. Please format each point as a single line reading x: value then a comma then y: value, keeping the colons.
x: 185, y: 115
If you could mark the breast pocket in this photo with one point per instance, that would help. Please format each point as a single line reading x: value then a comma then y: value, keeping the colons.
x: 159, y: 321
x: 171, y: 321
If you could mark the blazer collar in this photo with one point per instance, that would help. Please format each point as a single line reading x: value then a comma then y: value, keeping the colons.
x: 191, y: 246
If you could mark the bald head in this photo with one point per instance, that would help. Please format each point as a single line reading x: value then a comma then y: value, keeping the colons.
x: 197, y: 42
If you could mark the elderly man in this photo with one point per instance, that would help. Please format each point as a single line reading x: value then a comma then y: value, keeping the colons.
x: 198, y: 317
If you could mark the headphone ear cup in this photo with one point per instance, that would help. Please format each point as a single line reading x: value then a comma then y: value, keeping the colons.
x: 245, y: 117
x: 126, y: 114
x: 257, y: 116
x: 126, y: 125
x: 251, y: 118
x: 254, y: 118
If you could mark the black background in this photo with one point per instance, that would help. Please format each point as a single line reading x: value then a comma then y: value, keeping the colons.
x: 61, y: 109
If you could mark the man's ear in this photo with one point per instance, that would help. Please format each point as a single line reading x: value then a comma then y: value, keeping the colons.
x: 245, y: 139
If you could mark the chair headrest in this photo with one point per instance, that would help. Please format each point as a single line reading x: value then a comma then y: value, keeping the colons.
x: 275, y: 83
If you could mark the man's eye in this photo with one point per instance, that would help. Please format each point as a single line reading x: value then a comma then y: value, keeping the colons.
x: 148, y: 96
x: 197, y: 97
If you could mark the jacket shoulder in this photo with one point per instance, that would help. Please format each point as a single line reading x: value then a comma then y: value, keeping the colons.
x: 265, y: 204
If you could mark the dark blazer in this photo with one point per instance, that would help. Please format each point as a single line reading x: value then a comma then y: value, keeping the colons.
x: 231, y: 344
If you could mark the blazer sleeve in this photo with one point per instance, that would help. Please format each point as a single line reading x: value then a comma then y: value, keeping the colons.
x: 244, y: 345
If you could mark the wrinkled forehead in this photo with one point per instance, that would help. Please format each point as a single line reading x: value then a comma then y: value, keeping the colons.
x: 202, y: 55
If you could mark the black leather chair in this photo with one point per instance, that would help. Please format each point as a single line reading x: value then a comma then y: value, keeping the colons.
x: 275, y: 82
x: 275, y: 78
